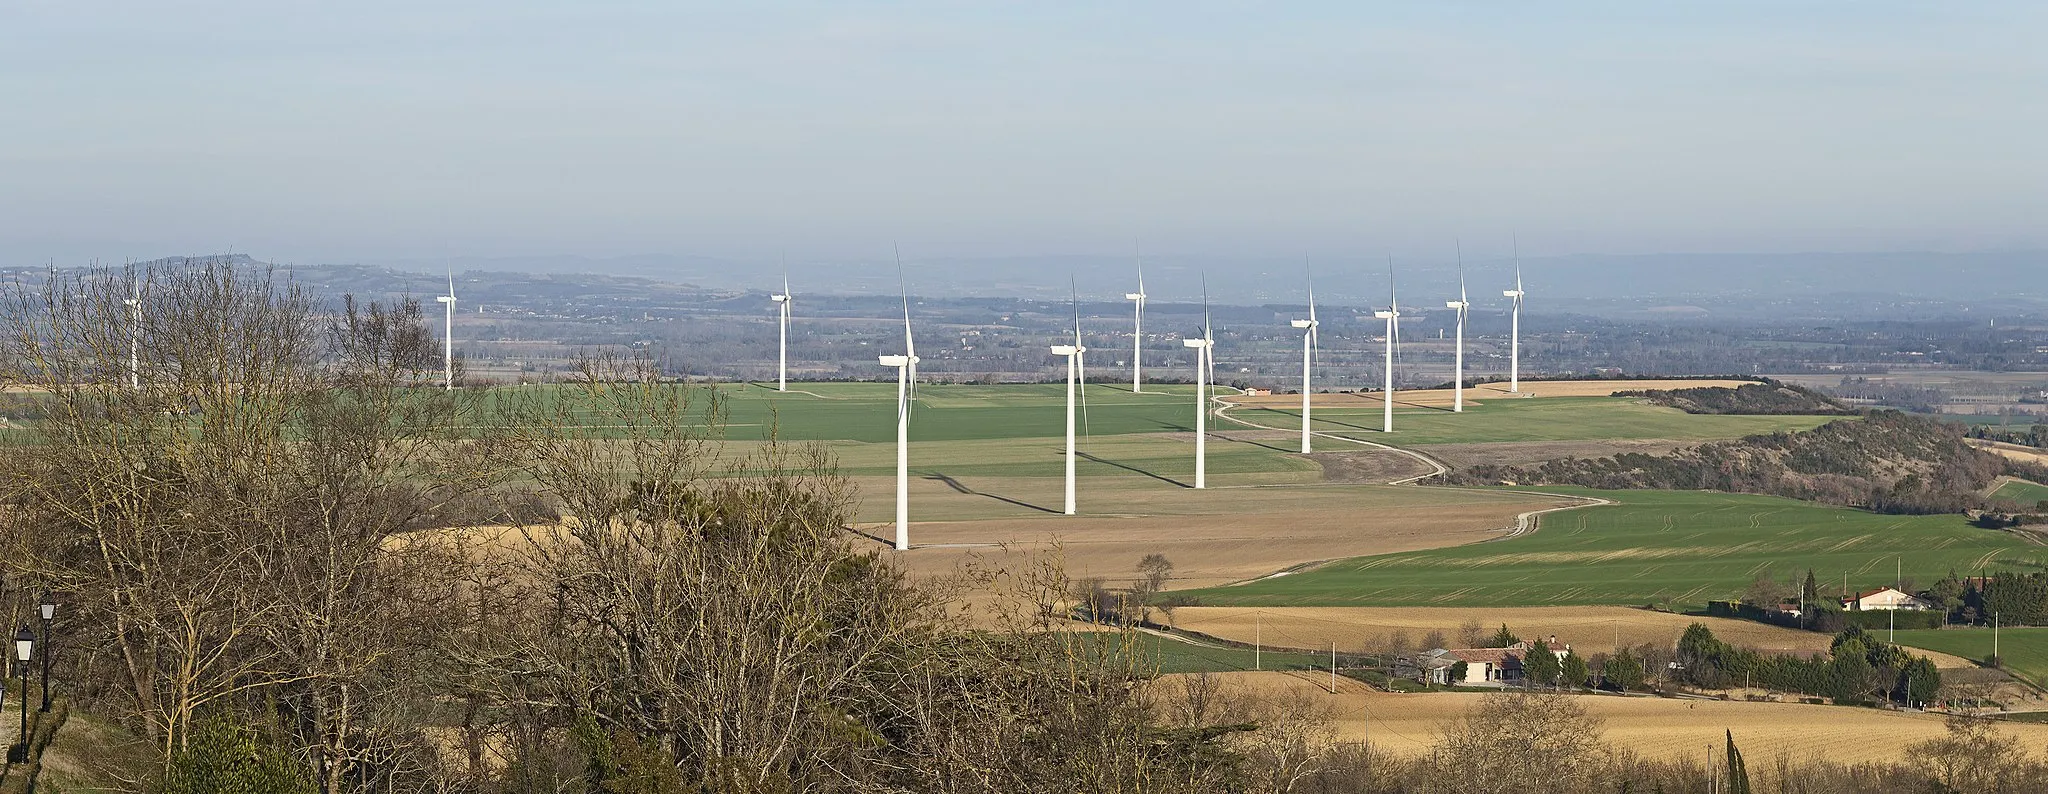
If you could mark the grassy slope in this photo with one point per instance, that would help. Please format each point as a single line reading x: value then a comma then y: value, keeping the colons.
x: 2025, y: 650
x: 1546, y: 419
x: 2023, y: 492
x: 1655, y: 546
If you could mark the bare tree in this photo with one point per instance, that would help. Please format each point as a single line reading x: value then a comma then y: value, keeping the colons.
x: 1471, y: 633
x: 1155, y: 570
x: 1510, y: 738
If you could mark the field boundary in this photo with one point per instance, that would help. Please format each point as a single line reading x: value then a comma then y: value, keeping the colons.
x: 1223, y: 412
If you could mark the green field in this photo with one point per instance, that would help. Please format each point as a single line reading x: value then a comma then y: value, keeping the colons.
x: 1546, y: 419
x: 2025, y: 649
x: 867, y: 411
x: 2026, y: 493
x: 1681, y: 548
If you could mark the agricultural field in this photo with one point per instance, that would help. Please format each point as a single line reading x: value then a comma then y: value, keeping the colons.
x: 1213, y: 536
x: 2025, y: 649
x: 1170, y: 656
x: 944, y: 412
x: 2026, y: 493
x: 1498, y: 420
x: 1676, y: 548
x: 1654, y: 728
x: 1587, y: 629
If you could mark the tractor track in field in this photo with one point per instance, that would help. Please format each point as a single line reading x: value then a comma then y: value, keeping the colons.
x: 1437, y: 468
x: 1525, y: 523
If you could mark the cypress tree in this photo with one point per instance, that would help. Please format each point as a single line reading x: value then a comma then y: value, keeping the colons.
x: 1738, y: 773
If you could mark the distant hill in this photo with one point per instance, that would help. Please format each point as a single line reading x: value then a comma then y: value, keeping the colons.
x: 1757, y: 399
x: 1886, y: 461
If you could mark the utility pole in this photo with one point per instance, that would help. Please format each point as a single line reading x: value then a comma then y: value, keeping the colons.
x: 1333, y: 667
x: 1258, y: 639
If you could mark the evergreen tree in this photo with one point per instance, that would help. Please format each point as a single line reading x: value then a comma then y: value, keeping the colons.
x: 1623, y: 671
x: 1504, y: 638
x: 221, y: 757
x: 1574, y: 669
x: 1738, y: 773
x: 1540, y: 666
x: 1810, y: 592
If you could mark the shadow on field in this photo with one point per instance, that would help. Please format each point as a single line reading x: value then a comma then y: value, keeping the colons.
x: 956, y: 485
x: 1129, y: 467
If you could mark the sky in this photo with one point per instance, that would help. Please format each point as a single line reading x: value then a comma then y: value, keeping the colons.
x: 316, y: 132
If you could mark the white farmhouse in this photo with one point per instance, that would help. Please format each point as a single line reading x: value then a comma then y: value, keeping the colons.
x: 1887, y: 598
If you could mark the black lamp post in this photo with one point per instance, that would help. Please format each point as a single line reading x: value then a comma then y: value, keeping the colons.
x: 49, y: 610
x: 24, y: 649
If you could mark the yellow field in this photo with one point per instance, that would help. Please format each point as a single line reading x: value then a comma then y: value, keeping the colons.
x: 1653, y: 727
x: 1589, y: 630
x: 1437, y: 398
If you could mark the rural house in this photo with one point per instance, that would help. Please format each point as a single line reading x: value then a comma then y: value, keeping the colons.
x: 1482, y: 665
x: 1887, y: 598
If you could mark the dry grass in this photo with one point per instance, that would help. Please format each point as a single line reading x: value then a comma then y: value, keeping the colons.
x: 1652, y: 727
x: 1589, y: 630
x: 1523, y: 453
x: 1220, y: 536
x: 1437, y: 398
x: 2013, y: 451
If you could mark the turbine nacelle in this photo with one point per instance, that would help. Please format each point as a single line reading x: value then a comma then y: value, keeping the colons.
x: 1385, y: 315
x: 1196, y: 343
x: 1134, y: 296
x: 445, y: 299
x: 898, y: 361
x: 779, y: 298
x: 1511, y: 293
x: 1457, y: 305
x: 1302, y: 323
x: 1068, y: 350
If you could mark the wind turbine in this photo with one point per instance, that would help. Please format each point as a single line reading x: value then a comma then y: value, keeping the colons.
x: 1393, y: 317
x: 448, y: 337
x: 135, y: 337
x: 1075, y: 374
x: 906, y: 374
x: 1515, y: 335
x: 1205, y: 363
x: 1138, y: 332
x: 1462, y: 304
x: 782, y: 357
x: 1308, y: 348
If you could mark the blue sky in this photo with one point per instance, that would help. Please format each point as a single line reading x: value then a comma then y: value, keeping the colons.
x: 321, y: 132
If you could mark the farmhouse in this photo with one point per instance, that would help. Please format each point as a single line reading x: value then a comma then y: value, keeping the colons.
x: 1482, y: 665
x: 1887, y: 598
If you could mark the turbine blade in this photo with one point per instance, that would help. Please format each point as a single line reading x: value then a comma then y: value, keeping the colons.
x: 451, y: 282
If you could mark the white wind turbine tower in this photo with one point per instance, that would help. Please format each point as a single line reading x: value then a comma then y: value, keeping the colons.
x: 1515, y: 335
x: 1462, y: 304
x: 448, y: 336
x: 1308, y: 348
x: 1393, y: 318
x: 135, y: 337
x: 1075, y: 375
x: 1138, y: 332
x: 1205, y: 363
x: 906, y: 375
x: 782, y: 357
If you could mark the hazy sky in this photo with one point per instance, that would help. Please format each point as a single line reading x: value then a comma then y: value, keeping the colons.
x: 323, y: 131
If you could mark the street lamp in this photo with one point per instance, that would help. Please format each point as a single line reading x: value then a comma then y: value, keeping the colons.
x: 24, y: 649
x: 49, y: 612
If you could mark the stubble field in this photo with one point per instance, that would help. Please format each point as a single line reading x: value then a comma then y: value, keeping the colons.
x: 1669, y: 729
